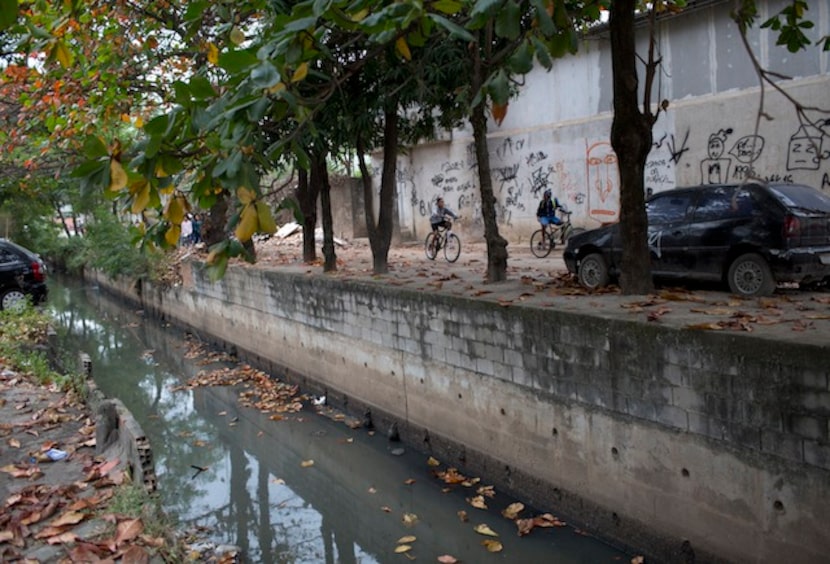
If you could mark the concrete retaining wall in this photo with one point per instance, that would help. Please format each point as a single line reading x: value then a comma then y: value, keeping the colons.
x: 682, y: 442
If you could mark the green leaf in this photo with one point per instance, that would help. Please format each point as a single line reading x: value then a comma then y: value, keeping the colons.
x: 157, y: 125
x: 562, y: 43
x: 237, y: 61
x: 542, y: 54
x: 508, y: 23
x: 521, y: 62
x: 453, y: 28
x: 94, y: 147
x: 543, y: 18
x: 8, y: 13
x: 320, y: 7
x: 89, y: 168
x: 182, y: 93
x: 450, y: 7
x: 201, y: 88
x: 300, y: 24
x: 265, y: 76
x: 485, y: 8
x: 217, y: 270
x: 499, y: 87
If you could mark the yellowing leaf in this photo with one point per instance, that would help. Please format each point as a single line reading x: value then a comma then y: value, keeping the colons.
x: 245, y: 195
x: 361, y: 15
x: 403, y: 48
x: 492, y: 545
x: 213, y: 53
x: 173, y: 234
x: 159, y: 170
x: 499, y: 112
x: 407, y: 539
x: 512, y: 511
x: 62, y: 54
x: 266, y: 220
x: 118, y: 176
x: 142, y: 199
x: 237, y: 35
x: 483, y: 529
x: 307, y: 463
x: 400, y: 549
x: 125, y: 118
x: 176, y: 208
x: 247, y: 225
x: 433, y: 462
x: 300, y: 73
x: 278, y: 87
x: 139, y: 122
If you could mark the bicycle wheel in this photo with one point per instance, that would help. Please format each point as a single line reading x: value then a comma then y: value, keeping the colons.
x: 431, y: 245
x: 540, y: 244
x: 452, y: 248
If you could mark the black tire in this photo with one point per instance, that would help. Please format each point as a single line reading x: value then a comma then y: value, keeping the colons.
x: 540, y: 244
x: 570, y: 232
x: 750, y: 276
x: 12, y: 299
x: 452, y: 248
x: 593, y: 272
x: 431, y: 245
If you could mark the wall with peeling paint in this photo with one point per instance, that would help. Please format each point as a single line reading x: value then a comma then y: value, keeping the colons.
x: 556, y: 133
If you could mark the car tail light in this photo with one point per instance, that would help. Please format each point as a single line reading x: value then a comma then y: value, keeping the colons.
x: 38, y: 272
x: 792, y: 227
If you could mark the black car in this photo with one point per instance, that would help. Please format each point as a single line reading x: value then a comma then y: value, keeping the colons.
x: 749, y: 236
x: 22, y: 275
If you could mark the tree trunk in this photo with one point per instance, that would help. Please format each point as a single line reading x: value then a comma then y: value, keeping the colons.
x: 320, y: 178
x: 307, y: 198
x: 213, y: 230
x: 496, y: 244
x: 631, y: 138
x: 380, y: 233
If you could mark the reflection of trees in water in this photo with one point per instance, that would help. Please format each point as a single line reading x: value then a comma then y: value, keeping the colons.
x: 139, y: 363
x: 117, y: 341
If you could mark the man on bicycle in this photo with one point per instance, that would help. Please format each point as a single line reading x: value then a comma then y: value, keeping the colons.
x: 546, y: 212
x: 439, y: 215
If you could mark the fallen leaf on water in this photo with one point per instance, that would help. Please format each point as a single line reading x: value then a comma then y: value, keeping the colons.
x: 400, y: 549
x: 477, y: 502
x: 409, y: 519
x: 409, y: 481
x: 483, y: 529
x: 386, y: 509
x: 372, y: 490
x: 307, y: 463
x: 407, y: 539
x: 638, y: 560
x: 447, y: 559
x: 432, y: 462
x: 492, y: 545
x: 14, y: 443
x: 512, y: 511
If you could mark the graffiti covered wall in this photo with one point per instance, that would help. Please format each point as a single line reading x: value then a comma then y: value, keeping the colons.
x: 705, y: 138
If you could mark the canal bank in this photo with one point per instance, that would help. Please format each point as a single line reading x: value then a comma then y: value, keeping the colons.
x: 684, y: 441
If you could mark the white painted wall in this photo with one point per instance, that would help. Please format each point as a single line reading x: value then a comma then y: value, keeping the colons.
x: 556, y: 133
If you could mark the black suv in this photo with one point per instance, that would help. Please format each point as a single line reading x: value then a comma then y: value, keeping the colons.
x: 22, y: 275
x: 750, y: 236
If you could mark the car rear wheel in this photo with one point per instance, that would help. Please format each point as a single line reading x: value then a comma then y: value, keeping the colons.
x: 593, y: 272
x: 750, y: 275
x: 12, y: 299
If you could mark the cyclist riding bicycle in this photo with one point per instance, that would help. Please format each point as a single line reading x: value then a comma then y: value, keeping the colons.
x: 439, y: 215
x: 546, y: 212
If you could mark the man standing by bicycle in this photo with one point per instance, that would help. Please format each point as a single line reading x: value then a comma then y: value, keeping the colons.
x: 546, y: 212
x: 439, y: 215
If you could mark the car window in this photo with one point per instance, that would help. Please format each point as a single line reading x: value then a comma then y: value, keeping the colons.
x: 724, y: 202
x: 7, y: 257
x: 668, y: 208
x: 804, y: 197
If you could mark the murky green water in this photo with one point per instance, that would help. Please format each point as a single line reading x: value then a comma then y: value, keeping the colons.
x: 256, y: 493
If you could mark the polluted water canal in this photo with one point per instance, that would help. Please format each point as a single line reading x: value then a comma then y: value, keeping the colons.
x: 252, y: 462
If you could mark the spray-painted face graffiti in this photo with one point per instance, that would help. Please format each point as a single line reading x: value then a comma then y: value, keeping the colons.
x: 602, y: 178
